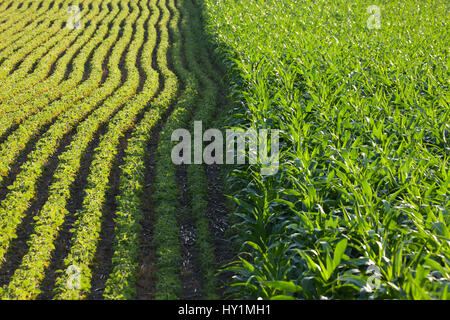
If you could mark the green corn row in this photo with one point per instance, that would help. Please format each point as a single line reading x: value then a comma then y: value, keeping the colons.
x: 363, y: 179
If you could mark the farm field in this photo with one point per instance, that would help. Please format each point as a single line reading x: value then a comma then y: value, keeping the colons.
x: 92, y: 205
x: 359, y: 208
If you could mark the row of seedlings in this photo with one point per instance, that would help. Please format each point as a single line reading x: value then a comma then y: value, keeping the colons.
x: 23, y: 189
x: 87, y: 228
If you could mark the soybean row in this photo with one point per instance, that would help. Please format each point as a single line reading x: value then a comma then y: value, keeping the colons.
x: 85, y: 149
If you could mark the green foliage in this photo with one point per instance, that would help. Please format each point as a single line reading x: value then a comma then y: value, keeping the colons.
x: 364, y: 164
x: 121, y: 284
x: 26, y: 280
x: 361, y: 197
x: 24, y: 187
x: 76, y: 105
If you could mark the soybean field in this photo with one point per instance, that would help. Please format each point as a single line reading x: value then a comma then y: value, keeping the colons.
x: 93, y: 205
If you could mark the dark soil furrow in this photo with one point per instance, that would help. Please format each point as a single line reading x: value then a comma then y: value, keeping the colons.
x: 19, y: 246
x: 191, y: 275
x: 146, y: 280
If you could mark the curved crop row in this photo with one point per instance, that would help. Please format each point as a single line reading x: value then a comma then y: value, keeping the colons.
x: 32, y: 43
x: 23, y: 189
x: 14, y: 34
x: 6, y: 6
x: 65, y: 85
x: 58, y: 98
x: 166, y: 191
x: 196, y: 174
x: 84, y: 40
x: 36, y: 28
x: 36, y: 66
x: 121, y: 283
x: 16, y: 15
x: 87, y: 227
x: 17, y: 140
x: 25, y: 282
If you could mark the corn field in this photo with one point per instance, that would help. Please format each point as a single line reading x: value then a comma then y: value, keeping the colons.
x: 92, y: 205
